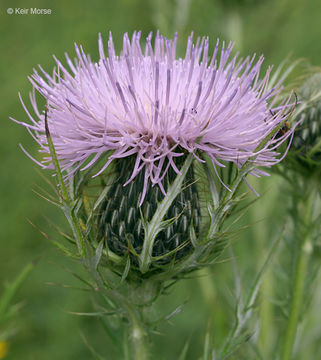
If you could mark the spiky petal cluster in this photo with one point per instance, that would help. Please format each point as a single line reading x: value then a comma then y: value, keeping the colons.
x: 150, y: 104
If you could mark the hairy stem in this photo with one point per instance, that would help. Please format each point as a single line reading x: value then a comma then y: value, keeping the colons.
x: 139, y: 339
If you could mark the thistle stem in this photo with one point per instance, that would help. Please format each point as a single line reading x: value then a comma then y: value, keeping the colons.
x: 138, y: 337
x: 300, y: 273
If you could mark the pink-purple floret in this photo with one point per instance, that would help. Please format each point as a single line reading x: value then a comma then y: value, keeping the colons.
x: 150, y: 104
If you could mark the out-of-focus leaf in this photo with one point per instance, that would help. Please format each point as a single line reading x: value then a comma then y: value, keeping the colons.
x: 11, y: 289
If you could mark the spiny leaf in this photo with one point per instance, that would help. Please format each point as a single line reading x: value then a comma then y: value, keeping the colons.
x: 65, y: 250
x: 257, y: 282
x: 67, y: 237
x: 97, y: 257
x: 243, y: 312
x: 94, y: 314
x: 126, y: 270
x: 67, y: 205
x: 169, y: 316
x: 77, y: 276
x: 47, y: 198
x: 62, y: 188
x: 98, y: 202
x: 45, y: 178
x: 38, y: 229
x: 176, y: 311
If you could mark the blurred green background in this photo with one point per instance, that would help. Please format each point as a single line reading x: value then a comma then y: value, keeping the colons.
x: 45, y: 329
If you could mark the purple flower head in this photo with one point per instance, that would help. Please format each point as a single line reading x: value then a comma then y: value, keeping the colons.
x: 151, y: 105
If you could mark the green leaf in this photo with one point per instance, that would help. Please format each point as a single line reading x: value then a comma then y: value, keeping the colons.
x: 257, y: 282
x: 98, y: 202
x: 99, y: 251
x: 126, y: 270
x: 12, y: 312
x: 94, y: 314
x: 67, y: 206
x: 244, y: 309
x: 65, y: 250
x: 11, y: 290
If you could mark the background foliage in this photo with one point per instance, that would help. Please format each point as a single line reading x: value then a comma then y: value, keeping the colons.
x: 45, y: 329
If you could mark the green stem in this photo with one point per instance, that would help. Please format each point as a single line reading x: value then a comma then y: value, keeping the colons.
x: 299, y: 280
x: 67, y: 205
x: 297, y: 298
x: 138, y: 334
x: 138, y: 337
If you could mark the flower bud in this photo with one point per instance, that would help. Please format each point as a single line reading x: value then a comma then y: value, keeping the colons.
x: 305, y: 152
x: 120, y: 219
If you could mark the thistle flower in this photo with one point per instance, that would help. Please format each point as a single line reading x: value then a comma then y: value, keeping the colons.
x: 147, y: 110
x: 152, y: 106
